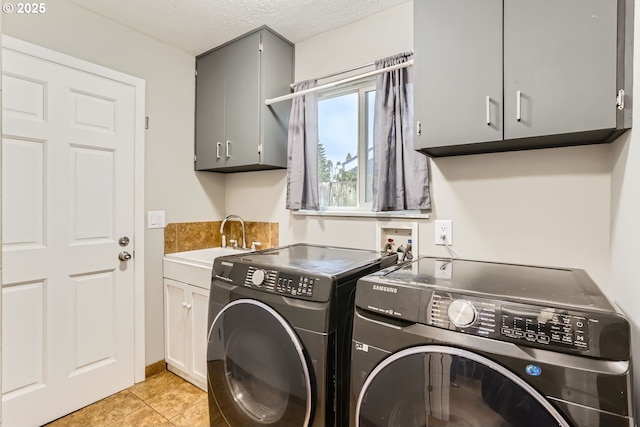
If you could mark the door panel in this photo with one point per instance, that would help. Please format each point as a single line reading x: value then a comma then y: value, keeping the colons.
x: 175, y: 324
x: 210, y: 111
x: 199, y: 313
x: 458, y: 71
x: 68, y: 174
x: 23, y: 335
x: 549, y: 51
x: 94, y: 319
x: 242, y: 93
x: 94, y: 221
x: 23, y: 205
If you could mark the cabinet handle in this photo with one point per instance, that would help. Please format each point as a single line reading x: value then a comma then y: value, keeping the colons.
x: 518, y: 105
x: 218, y: 144
x: 488, y: 108
x: 228, y: 150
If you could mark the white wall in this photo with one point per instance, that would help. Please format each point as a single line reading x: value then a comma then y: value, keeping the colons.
x: 170, y: 183
x: 0, y: 231
x: 548, y: 207
x: 625, y: 220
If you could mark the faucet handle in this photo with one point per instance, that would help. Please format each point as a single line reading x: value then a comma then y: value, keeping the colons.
x: 233, y: 242
x: 254, y: 245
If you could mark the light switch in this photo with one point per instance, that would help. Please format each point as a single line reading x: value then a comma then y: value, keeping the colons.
x: 155, y: 219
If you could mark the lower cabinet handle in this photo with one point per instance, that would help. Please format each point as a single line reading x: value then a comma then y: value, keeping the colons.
x: 218, y: 144
x: 518, y: 105
x: 228, y: 150
x: 488, y: 108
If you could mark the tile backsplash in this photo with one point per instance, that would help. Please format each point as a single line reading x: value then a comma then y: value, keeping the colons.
x: 188, y: 236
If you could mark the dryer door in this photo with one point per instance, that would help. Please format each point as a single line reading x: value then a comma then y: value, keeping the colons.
x: 440, y: 386
x: 257, y: 371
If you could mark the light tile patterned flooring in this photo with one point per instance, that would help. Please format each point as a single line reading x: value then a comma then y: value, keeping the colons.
x: 163, y: 399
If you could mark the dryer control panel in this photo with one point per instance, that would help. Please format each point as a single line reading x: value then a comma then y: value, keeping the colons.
x: 550, y: 328
x: 285, y: 283
x: 280, y: 282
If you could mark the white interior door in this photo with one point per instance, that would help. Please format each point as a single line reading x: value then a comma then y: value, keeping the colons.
x: 67, y: 198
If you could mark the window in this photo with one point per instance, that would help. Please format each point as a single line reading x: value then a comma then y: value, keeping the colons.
x: 345, y: 147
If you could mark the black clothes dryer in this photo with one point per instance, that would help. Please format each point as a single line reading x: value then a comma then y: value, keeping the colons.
x: 445, y: 343
x: 280, y: 333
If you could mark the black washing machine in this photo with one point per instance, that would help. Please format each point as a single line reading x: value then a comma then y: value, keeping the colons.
x: 280, y: 333
x: 465, y: 343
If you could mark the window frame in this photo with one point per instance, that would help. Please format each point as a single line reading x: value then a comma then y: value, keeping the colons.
x: 362, y: 87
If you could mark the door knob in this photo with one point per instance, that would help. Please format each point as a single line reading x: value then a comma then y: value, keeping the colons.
x: 124, y: 256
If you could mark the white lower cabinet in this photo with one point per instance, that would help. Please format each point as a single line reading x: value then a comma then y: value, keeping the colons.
x: 185, y: 317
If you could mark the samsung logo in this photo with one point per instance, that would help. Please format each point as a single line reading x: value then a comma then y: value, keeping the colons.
x: 385, y: 289
x: 226, y: 264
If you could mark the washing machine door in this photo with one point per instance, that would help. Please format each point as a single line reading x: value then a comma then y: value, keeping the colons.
x: 257, y: 371
x: 439, y: 386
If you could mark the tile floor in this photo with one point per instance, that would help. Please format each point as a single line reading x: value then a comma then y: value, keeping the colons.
x: 163, y: 399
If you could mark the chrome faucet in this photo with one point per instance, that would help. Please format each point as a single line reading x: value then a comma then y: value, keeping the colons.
x: 244, y: 241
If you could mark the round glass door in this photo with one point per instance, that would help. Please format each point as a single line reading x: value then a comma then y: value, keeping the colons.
x: 438, y: 386
x: 257, y: 371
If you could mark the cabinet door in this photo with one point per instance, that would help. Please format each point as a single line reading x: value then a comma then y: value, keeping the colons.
x: 458, y: 72
x: 198, y: 317
x: 210, y: 111
x: 176, y: 324
x: 242, y: 87
x: 277, y: 76
x: 560, y: 66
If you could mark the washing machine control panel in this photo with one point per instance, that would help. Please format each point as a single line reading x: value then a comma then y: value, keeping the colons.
x: 546, y: 326
x: 524, y: 324
x: 467, y: 314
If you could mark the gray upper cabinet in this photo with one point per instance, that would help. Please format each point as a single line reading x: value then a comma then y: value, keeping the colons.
x: 494, y: 75
x: 235, y: 130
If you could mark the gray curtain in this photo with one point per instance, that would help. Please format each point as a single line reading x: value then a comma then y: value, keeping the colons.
x: 400, y: 174
x: 302, y: 161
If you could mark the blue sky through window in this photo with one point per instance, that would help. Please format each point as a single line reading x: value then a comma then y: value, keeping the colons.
x: 338, y: 126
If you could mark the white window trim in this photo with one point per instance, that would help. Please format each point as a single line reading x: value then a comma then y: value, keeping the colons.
x: 364, y: 210
x: 360, y: 213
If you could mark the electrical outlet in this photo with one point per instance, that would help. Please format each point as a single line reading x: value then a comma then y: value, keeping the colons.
x: 443, y: 227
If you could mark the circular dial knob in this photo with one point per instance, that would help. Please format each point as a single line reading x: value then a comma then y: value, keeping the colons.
x: 258, y: 277
x: 461, y: 313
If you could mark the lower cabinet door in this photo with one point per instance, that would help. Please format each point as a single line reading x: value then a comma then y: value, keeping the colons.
x: 185, y: 313
x: 198, y: 319
x: 176, y: 325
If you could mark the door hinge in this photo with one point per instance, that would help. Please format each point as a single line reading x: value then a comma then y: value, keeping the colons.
x: 196, y: 72
x: 259, y: 148
x: 146, y: 122
x: 195, y: 158
x: 260, y: 46
x: 620, y: 99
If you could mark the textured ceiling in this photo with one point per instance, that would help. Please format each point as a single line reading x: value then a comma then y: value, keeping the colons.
x: 196, y: 26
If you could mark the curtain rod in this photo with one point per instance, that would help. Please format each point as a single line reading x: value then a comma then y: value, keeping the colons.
x: 337, y: 82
